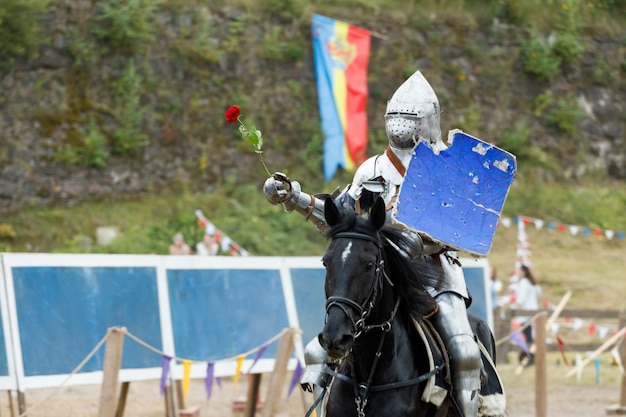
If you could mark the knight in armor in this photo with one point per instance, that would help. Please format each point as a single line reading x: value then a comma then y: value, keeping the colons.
x: 412, y: 115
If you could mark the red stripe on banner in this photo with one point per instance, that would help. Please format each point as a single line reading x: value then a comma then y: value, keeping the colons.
x: 356, y: 101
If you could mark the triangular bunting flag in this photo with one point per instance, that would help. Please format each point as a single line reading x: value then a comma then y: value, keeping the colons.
x: 554, y: 328
x: 186, y: 377
x: 579, y: 367
x: 208, y: 381
x: 562, y: 350
x: 240, y: 360
x: 258, y: 356
x: 295, y: 379
x: 518, y: 339
x: 617, y: 356
x: 165, y: 370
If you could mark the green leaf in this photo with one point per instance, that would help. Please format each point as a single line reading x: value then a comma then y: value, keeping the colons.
x: 260, y: 142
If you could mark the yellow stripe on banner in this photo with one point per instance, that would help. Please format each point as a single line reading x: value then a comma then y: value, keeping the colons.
x: 186, y: 376
x: 240, y: 360
x: 340, y: 88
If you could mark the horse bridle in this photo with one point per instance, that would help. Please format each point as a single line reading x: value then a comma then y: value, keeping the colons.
x: 364, y: 310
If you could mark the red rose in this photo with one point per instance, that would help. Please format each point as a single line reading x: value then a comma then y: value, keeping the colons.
x: 232, y: 114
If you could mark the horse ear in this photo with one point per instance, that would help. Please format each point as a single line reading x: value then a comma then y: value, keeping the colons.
x: 331, y: 212
x: 378, y: 214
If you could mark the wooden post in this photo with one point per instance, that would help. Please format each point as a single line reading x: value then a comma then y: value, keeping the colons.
x: 111, y: 370
x: 17, y: 405
x: 622, y: 397
x: 272, y: 400
x: 170, y: 406
x: 541, y: 404
x: 253, y: 396
x: 502, y: 327
x: 180, y: 397
x: 121, y: 402
x: 620, y: 409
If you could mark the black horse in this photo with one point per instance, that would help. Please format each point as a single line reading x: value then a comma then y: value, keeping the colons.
x: 375, y: 296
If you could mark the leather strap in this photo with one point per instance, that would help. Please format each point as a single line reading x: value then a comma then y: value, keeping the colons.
x: 397, y: 164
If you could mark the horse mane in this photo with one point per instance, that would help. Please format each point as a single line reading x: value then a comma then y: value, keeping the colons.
x: 409, y: 275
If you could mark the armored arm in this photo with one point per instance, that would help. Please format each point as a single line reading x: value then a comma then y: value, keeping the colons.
x: 279, y: 189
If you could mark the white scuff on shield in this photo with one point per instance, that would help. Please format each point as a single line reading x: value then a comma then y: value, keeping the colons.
x: 455, y: 196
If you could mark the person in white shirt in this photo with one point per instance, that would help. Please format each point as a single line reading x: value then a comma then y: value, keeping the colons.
x: 527, y: 295
x: 208, y: 246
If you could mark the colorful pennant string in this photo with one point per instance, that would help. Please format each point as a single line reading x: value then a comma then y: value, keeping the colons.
x: 574, y: 230
x: 210, y: 372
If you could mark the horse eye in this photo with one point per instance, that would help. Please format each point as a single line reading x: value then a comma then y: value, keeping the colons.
x: 370, y: 266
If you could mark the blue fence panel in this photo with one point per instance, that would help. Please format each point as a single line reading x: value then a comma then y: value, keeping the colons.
x: 222, y: 313
x: 475, y: 280
x: 4, y: 362
x: 308, y: 288
x: 63, y: 312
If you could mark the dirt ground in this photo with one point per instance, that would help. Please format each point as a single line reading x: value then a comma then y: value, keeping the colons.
x: 598, y: 389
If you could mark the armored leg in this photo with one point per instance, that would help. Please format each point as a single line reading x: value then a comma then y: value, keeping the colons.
x: 452, y: 323
x: 314, y: 378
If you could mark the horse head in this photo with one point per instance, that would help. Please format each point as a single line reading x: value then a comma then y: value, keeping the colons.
x: 354, y: 274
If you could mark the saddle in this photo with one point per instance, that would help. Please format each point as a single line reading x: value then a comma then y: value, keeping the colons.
x: 491, y: 399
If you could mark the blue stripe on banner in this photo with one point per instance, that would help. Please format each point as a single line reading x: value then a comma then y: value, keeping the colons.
x: 323, y: 30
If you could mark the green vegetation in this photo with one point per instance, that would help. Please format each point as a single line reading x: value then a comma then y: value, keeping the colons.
x: 92, y: 151
x: 126, y: 23
x: 128, y: 136
x: 20, y: 29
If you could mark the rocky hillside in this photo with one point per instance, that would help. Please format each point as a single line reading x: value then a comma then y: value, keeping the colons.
x: 99, y: 111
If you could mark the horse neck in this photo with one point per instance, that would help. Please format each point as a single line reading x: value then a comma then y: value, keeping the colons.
x: 366, y: 345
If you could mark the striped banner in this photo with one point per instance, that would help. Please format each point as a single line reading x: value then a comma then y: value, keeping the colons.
x: 341, y: 54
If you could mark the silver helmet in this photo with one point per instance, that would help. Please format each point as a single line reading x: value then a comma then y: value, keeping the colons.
x: 413, y: 114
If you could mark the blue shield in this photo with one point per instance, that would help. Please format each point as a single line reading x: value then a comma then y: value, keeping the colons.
x: 455, y: 196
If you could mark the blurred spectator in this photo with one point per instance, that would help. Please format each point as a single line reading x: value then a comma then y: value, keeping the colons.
x: 178, y: 246
x: 527, y: 295
x: 496, y: 287
x: 208, y: 246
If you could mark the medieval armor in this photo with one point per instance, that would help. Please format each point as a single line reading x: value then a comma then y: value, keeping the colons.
x: 412, y: 115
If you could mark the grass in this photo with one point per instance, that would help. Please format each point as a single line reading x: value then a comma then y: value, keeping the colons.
x: 591, y: 267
